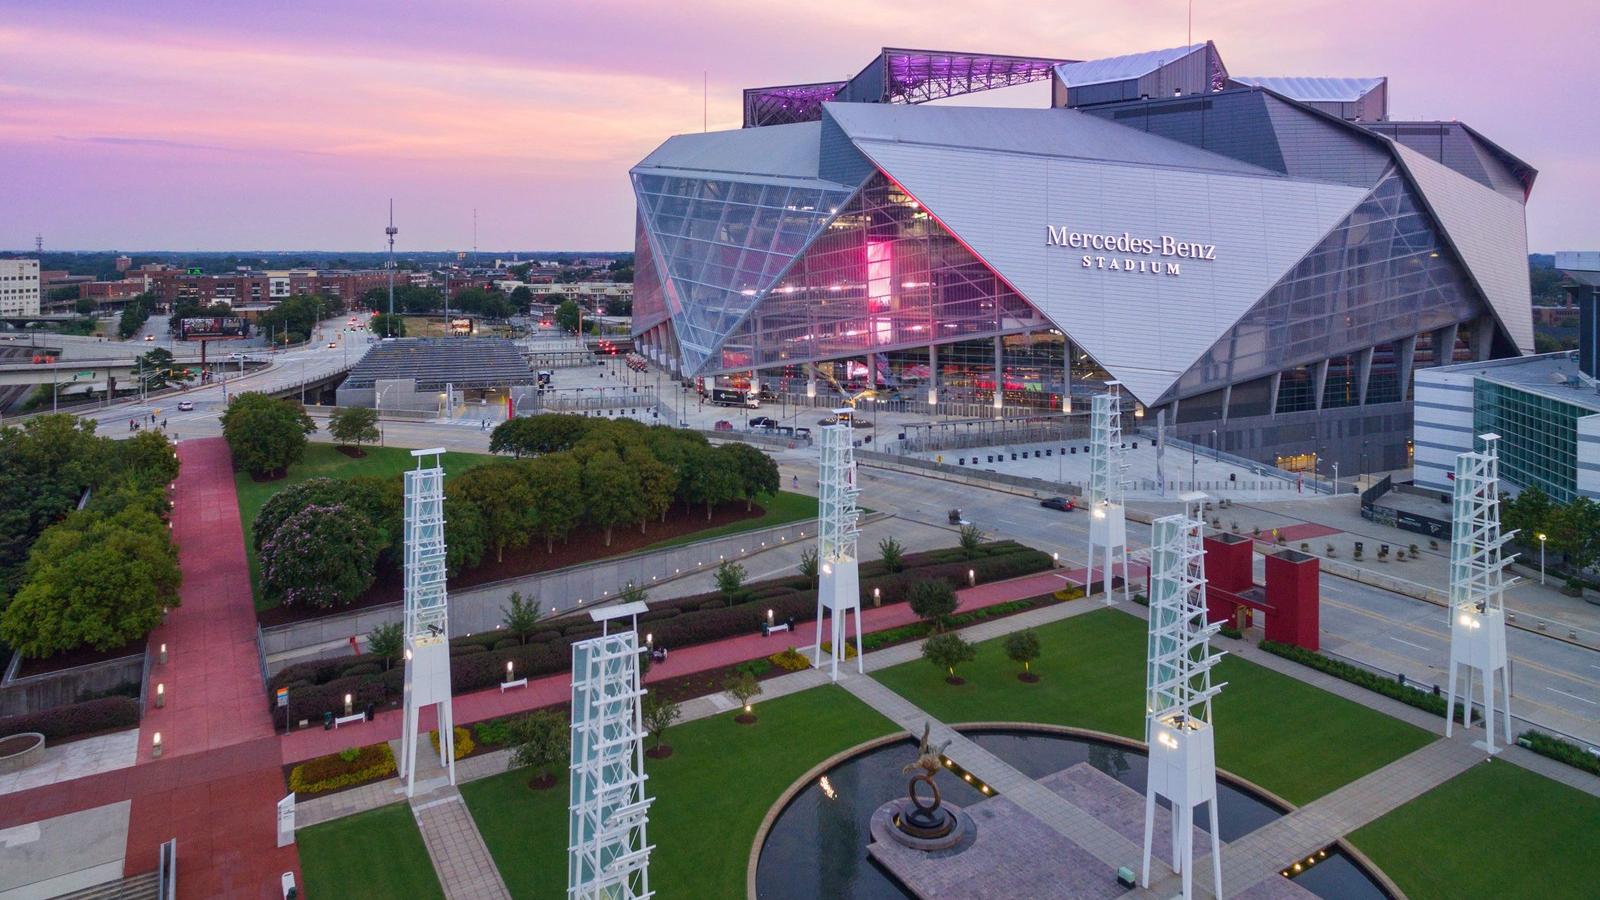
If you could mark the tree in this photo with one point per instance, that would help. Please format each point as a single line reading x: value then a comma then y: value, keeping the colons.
x: 948, y: 651
x: 521, y: 296
x: 1531, y: 513
x: 892, y: 553
x: 385, y: 325
x: 502, y: 495
x: 543, y: 741
x: 514, y: 436
x: 467, y: 539
x: 158, y: 368
x: 45, y: 466
x: 83, y: 306
x: 754, y: 472
x: 611, y: 490
x: 265, y: 435
x: 971, y: 541
x: 1576, y: 533
x: 632, y: 593
x: 808, y: 565
x: 1023, y: 647
x: 354, y: 425
x: 521, y: 618
x: 93, y: 580
x: 744, y: 687
x: 147, y: 458
x: 709, y: 481
x: 659, y: 713
x: 934, y: 601
x: 658, y: 483
x: 322, y: 556
x: 555, y: 485
x: 364, y: 497
x: 385, y: 642
x: 730, y: 580
x: 568, y: 316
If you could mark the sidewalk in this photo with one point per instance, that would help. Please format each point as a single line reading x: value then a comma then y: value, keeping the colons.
x: 556, y: 689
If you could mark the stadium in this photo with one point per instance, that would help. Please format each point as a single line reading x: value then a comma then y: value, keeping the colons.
x: 1264, y: 260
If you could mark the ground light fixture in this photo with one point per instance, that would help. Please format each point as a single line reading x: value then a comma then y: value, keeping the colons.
x: 972, y: 577
x: 349, y: 704
x: 155, y: 745
x: 509, y: 665
x: 163, y: 654
x: 161, y: 695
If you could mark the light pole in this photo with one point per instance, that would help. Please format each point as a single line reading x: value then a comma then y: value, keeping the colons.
x: 391, y: 231
x: 1541, y: 557
x: 1336, y: 479
x: 1216, y: 448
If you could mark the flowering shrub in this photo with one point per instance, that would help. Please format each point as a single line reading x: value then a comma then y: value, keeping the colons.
x: 321, y: 556
x: 342, y: 769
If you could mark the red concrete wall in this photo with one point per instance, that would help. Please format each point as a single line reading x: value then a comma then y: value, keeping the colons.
x: 1228, y: 565
x: 1294, y: 595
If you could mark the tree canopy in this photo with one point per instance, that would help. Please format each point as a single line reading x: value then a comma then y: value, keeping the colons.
x: 265, y: 435
x: 354, y: 425
x: 321, y: 556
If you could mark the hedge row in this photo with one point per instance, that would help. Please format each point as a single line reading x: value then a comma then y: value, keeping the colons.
x: 327, y: 773
x: 478, y: 662
x: 1389, y: 687
x: 63, y: 722
x: 1561, y: 751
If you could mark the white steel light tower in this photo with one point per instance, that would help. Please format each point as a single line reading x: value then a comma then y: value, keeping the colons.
x: 1108, y: 526
x: 1178, y: 692
x: 390, y: 232
x: 839, y: 580
x: 427, y: 624
x: 608, y: 854
x: 1477, y: 586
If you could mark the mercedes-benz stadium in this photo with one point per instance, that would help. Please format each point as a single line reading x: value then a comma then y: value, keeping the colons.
x: 1265, y: 259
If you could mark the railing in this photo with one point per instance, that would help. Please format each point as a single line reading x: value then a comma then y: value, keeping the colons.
x: 1256, y: 467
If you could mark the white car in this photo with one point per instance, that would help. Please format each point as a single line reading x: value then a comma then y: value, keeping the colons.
x: 185, y: 406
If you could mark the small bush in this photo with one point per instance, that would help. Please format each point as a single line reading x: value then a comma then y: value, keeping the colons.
x: 362, y: 669
x: 493, y: 732
x: 1372, y: 681
x: 90, y: 717
x: 755, y: 667
x: 507, y: 643
x: 339, y: 770
x: 790, y: 660
x: 464, y: 744
x: 1228, y: 631
x: 466, y: 649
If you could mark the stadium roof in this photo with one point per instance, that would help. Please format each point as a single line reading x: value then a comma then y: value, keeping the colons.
x: 435, y: 362
x: 1315, y: 90
x: 1120, y: 68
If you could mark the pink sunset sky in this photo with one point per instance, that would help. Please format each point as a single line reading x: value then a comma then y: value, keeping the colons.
x: 217, y: 124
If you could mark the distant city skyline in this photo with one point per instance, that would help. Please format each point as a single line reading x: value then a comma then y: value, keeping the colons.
x: 164, y: 125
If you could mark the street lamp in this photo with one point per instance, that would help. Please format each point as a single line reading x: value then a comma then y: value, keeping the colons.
x: 1216, y: 448
x: 1541, y: 556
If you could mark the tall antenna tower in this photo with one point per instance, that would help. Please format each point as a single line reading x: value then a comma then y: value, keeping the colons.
x: 1178, y: 692
x: 474, y: 237
x: 608, y: 853
x: 839, y: 578
x: 427, y: 622
x: 38, y: 244
x: 1477, y: 586
x: 1108, y: 527
x: 391, y: 231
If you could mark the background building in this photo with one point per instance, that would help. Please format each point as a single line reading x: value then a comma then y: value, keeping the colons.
x: 1269, y: 260
x: 19, y: 287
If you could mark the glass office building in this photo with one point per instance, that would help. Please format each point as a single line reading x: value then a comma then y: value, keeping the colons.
x: 1230, y: 249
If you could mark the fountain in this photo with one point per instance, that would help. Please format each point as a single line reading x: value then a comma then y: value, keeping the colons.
x: 919, y: 824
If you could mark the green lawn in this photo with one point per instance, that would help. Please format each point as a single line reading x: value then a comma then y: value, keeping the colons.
x: 1496, y: 830
x: 710, y: 797
x: 324, y: 461
x: 781, y: 509
x: 372, y: 854
x: 1292, y: 739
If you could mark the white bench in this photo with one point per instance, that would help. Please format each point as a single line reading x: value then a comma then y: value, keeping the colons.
x: 507, y: 685
x: 346, y: 720
x: 781, y: 626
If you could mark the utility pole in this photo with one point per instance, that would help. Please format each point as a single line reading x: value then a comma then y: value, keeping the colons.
x: 391, y: 231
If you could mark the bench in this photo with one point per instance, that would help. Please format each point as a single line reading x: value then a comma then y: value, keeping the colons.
x: 769, y: 629
x: 507, y: 685
x: 346, y: 720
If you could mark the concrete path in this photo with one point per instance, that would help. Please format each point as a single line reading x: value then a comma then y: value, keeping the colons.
x: 64, y: 853
x: 466, y: 870
x: 64, y: 762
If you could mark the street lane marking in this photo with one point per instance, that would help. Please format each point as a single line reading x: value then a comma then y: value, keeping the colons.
x: 1575, y: 697
x: 1407, y: 643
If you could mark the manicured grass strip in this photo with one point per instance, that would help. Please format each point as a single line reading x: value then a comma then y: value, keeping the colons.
x: 378, y: 853
x: 325, y: 461
x: 1293, y: 739
x: 710, y: 797
x: 1496, y: 830
x: 781, y: 509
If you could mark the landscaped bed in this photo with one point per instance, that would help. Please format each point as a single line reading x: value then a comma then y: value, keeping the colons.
x: 378, y: 853
x: 1282, y: 734
x: 710, y: 796
x: 479, y: 662
x: 1496, y: 830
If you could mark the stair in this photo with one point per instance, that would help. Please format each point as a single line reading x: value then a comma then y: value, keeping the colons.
x: 138, y: 887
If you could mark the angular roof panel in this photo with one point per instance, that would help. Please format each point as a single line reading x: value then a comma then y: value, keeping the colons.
x: 1000, y: 188
x: 1120, y: 68
x: 1488, y: 230
x: 774, y: 152
x: 1314, y: 90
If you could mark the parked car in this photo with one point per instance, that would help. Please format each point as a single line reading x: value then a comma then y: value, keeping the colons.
x: 763, y: 422
x: 1065, y: 504
x: 185, y: 406
x: 723, y: 425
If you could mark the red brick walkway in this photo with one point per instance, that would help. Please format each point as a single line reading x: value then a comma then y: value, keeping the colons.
x: 553, y: 689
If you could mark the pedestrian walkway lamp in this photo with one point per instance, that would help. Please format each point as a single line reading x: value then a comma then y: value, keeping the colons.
x: 1477, y: 587
x: 1541, y: 557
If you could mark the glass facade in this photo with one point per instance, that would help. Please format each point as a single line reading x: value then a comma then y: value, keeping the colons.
x: 1539, y: 434
x: 1381, y: 275
x: 882, y: 276
x: 721, y: 244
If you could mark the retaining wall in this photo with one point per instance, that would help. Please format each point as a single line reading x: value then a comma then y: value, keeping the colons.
x: 36, y: 693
